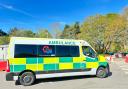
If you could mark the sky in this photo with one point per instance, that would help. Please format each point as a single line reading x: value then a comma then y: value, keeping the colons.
x: 37, y: 14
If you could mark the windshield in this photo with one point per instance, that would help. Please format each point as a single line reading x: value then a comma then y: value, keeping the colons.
x: 88, y: 51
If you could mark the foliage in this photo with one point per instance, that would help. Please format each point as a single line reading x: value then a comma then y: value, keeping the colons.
x: 56, y: 30
x: 43, y: 33
x: 21, y: 33
x: 71, y: 32
x: 2, y: 33
x: 4, y: 40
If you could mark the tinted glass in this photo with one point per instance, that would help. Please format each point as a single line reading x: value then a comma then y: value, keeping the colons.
x: 74, y: 51
x: 88, y: 51
x: 67, y: 51
x: 22, y: 51
x: 46, y: 50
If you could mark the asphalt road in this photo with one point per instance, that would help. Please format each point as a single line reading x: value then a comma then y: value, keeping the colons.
x: 117, y: 80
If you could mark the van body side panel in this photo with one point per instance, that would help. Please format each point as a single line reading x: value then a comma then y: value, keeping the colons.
x: 46, y: 63
x: 54, y: 63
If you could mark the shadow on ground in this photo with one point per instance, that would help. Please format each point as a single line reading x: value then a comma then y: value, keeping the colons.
x: 63, y: 79
x: 110, y: 74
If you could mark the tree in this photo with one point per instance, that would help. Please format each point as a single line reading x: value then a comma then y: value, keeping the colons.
x: 2, y: 33
x: 76, y: 29
x: 43, y: 33
x: 4, y: 40
x: 13, y: 31
x: 21, y: 33
x: 71, y: 31
x: 125, y: 37
x: 56, y: 28
x: 65, y: 32
x: 125, y: 12
x: 103, y: 30
x: 57, y: 33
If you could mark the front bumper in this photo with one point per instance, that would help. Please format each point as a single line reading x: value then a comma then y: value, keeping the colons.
x: 11, y: 76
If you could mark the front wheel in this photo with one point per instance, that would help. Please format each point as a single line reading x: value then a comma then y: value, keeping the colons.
x: 27, y: 78
x: 102, y: 72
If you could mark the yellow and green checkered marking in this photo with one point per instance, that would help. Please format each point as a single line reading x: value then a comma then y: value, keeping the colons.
x: 54, y: 63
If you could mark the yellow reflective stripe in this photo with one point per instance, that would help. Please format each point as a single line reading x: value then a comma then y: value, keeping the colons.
x: 17, y: 61
x: 78, y: 59
x: 65, y: 65
x: 101, y: 58
x: 51, y: 60
x: 40, y: 67
x: 31, y: 67
x: 92, y: 64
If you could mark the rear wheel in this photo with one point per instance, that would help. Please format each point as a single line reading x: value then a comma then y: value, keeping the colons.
x: 102, y: 72
x: 27, y: 78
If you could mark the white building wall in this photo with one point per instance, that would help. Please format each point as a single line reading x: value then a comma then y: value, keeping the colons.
x: 3, y: 52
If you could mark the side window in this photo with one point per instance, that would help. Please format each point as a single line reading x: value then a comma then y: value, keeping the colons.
x: 88, y: 51
x: 62, y: 51
x: 67, y: 51
x: 74, y: 51
x: 23, y: 51
x: 46, y: 50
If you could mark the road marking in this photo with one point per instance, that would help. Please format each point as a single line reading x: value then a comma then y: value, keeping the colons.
x: 123, y: 66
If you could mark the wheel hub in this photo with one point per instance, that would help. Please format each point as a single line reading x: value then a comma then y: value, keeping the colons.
x: 101, y: 73
x: 27, y: 79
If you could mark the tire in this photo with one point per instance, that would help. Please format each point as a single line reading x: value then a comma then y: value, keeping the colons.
x: 27, y: 78
x: 102, y: 72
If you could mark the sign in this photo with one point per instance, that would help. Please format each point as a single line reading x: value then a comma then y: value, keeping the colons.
x: 62, y: 42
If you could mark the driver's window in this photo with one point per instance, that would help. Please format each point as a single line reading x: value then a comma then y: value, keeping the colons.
x: 88, y: 51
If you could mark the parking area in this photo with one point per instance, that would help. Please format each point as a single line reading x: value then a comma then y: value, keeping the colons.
x: 118, y: 79
x: 123, y: 66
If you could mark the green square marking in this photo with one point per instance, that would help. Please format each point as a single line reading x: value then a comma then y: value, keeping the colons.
x: 76, y: 65
x: 31, y: 60
x: 103, y: 64
x: 19, y: 68
x: 65, y: 59
x: 40, y: 60
x: 79, y: 65
x: 11, y: 68
x: 88, y: 59
x: 83, y: 65
x: 51, y: 67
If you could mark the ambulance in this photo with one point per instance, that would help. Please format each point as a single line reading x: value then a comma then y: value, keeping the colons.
x: 36, y: 58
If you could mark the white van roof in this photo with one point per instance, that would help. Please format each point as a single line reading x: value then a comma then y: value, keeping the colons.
x: 47, y: 41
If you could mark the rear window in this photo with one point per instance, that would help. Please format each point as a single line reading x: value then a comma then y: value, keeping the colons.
x: 22, y: 51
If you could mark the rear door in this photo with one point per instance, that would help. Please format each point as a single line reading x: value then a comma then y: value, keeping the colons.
x: 25, y: 58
